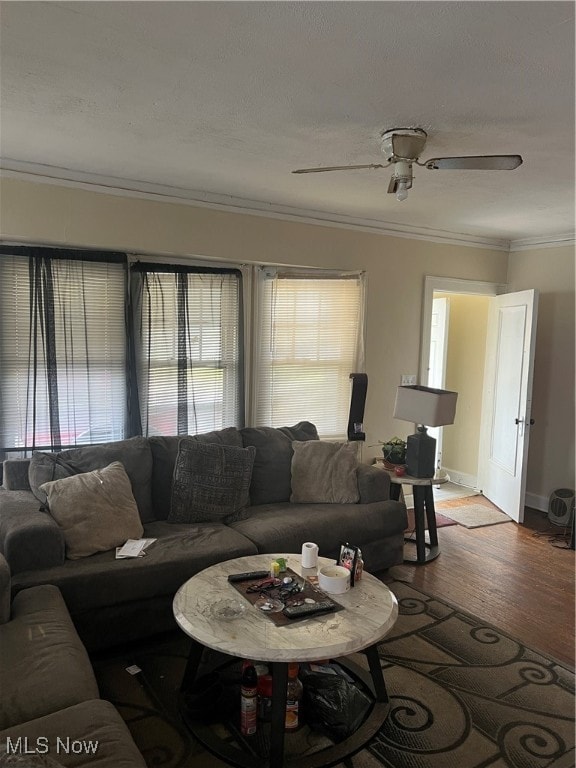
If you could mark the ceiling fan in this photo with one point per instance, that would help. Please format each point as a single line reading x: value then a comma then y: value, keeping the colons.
x: 402, y: 148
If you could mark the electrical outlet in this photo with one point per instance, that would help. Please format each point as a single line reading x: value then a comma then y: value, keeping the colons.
x: 407, y: 379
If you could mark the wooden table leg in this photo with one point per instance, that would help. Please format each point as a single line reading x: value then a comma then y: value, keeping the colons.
x: 431, y: 515
x: 424, y: 512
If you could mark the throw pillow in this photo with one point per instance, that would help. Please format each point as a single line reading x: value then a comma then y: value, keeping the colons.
x: 211, y: 482
x: 164, y: 452
x: 133, y: 453
x: 271, y: 476
x: 324, y: 472
x: 96, y: 510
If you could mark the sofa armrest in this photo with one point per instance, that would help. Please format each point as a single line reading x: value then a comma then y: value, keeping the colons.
x: 373, y: 484
x: 29, y: 539
x: 15, y: 474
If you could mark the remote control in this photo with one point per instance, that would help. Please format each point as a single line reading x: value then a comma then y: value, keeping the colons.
x: 248, y: 575
x: 308, y: 609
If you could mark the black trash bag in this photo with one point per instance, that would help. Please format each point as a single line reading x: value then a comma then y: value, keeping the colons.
x: 334, y: 706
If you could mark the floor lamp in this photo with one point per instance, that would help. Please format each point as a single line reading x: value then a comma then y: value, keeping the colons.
x: 426, y: 407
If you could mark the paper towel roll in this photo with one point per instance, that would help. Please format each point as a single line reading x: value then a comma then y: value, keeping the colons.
x: 309, y: 554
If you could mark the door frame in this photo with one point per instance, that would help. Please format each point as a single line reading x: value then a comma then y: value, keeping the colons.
x: 447, y: 285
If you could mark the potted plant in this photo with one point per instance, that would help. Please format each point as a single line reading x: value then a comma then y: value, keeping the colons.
x: 393, y: 451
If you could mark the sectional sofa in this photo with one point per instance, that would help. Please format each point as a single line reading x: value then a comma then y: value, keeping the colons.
x: 114, y: 601
x: 51, y: 713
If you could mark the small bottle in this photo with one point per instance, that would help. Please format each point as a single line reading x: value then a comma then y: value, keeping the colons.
x: 359, y: 567
x: 248, y: 699
x: 293, y: 698
x: 265, y: 697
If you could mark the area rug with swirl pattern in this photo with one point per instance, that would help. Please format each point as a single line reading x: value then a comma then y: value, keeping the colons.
x: 463, y: 695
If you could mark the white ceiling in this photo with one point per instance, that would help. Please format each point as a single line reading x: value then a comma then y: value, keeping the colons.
x: 220, y: 101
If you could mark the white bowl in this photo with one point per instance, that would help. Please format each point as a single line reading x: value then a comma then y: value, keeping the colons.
x: 334, y: 579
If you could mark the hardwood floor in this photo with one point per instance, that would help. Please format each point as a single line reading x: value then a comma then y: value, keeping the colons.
x: 507, y: 575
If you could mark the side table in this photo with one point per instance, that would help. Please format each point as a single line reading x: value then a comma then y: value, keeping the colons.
x: 423, y: 511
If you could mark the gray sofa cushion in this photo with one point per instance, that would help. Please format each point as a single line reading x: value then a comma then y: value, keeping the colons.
x: 95, y: 721
x: 181, y: 551
x: 4, y: 590
x: 28, y: 538
x: 211, y: 482
x: 23, y: 760
x: 164, y: 451
x: 271, y: 476
x: 43, y: 665
x: 283, y: 528
x: 134, y: 454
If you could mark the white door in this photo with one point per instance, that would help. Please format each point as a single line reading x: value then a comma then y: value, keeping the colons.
x: 507, y: 400
x: 437, y: 364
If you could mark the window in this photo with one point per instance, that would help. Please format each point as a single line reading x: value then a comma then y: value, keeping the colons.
x: 94, y: 348
x: 188, y: 348
x: 310, y: 340
x: 62, y: 348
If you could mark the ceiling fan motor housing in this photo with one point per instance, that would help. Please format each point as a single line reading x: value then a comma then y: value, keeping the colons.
x: 403, y: 144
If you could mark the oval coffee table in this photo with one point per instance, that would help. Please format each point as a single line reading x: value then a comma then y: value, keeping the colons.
x: 215, y: 615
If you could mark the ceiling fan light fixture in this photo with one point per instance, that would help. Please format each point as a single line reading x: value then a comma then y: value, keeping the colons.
x: 401, y: 190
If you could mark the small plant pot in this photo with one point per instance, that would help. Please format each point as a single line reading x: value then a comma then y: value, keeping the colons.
x: 394, y: 452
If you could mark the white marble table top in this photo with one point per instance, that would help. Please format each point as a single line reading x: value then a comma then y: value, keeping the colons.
x: 213, y: 612
x: 410, y: 480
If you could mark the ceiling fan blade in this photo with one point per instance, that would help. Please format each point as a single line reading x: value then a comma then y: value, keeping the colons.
x: 338, y: 168
x: 475, y: 163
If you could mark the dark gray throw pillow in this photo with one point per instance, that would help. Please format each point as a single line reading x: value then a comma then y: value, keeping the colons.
x: 164, y: 451
x: 211, y: 482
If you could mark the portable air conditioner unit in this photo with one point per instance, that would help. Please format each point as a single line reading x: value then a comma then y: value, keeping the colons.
x: 561, y: 506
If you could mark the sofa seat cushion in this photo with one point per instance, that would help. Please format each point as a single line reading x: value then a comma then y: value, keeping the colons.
x: 93, y: 722
x: 96, y: 510
x: 180, y: 552
x: 285, y: 527
x: 134, y: 454
x: 43, y: 665
x: 164, y: 452
x: 272, y: 472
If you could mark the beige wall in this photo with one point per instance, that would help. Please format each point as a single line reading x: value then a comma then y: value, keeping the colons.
x: 551, y: 457
x: 395, y: 267
x: 467, y: 326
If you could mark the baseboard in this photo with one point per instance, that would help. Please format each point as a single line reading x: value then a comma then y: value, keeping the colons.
x: 536, y: 502
x: 462, y: 478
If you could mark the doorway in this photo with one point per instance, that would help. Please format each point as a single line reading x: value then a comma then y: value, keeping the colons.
x: 492, y: 372
x: 454, y: 359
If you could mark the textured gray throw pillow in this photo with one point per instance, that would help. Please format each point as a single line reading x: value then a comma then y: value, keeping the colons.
x: 211, y: 482
x: 324, y: 472
x: 96, y: 510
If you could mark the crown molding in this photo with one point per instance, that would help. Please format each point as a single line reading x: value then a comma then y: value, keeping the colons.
x: 545, y: 241
x: 46, y: 174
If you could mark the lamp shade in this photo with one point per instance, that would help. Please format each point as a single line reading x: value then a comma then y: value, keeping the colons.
x: 425, y: 405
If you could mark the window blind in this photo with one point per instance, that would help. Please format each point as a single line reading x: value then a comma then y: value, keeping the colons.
x: 188, y: 349
x: 62, y: 350
x: 310, y: 340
